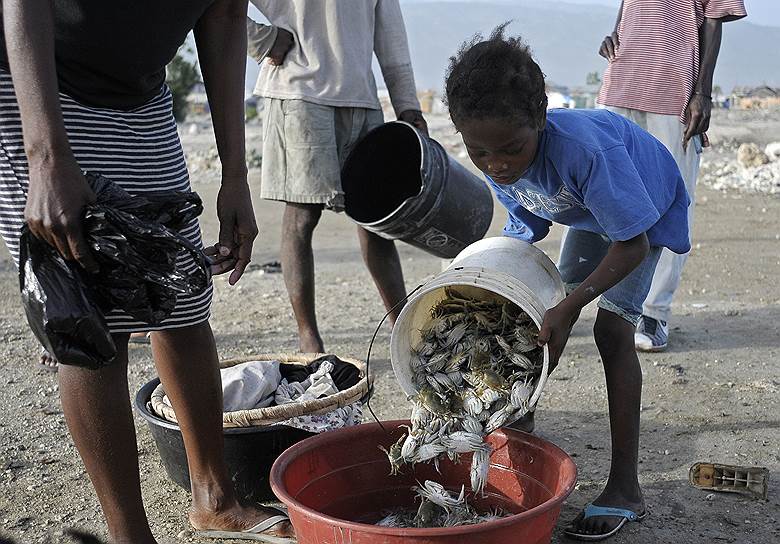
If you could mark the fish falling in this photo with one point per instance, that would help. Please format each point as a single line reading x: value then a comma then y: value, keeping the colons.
x: 475, y: 369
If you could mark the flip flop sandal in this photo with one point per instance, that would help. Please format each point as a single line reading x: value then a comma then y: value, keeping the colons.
x: 592, y: 511
x: 255, y: 533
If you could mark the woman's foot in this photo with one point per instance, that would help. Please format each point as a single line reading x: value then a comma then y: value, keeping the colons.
x: 47, y: 362
x: 239, y: 518
x: 596, y: 525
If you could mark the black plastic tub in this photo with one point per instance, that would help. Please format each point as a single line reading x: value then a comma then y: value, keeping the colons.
x: 249, y: 452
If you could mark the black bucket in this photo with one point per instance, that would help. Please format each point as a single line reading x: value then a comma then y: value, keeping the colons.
x: 249, y: 451
x: 402, y: 185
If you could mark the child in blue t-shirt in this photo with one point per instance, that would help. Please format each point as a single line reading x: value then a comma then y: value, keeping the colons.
x: 621, y: 194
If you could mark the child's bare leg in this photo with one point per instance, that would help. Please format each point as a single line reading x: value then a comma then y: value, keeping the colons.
x: 615, y: 340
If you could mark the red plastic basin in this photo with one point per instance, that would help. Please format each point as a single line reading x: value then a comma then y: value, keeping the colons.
x: 337, y: 484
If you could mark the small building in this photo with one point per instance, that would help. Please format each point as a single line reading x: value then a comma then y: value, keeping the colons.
x: 760, y: 97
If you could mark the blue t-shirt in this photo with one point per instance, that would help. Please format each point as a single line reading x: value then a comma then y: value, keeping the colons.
x: 599, y: 172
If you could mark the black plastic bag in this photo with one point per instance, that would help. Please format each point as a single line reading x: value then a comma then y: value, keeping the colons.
x: 137, y: 251
x: 60, y: 310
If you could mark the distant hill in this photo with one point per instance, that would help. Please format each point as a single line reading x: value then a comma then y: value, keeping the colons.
x: 565, y: 39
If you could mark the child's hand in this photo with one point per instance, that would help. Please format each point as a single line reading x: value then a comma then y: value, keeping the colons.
x: 555, y: 330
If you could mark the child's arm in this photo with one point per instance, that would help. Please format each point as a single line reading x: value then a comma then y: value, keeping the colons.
x: 621, y: 259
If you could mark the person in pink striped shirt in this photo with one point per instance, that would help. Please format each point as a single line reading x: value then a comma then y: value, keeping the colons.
x: 662, y: 56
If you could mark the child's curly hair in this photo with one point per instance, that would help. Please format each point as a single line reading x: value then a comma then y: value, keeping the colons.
x: 495, y: 78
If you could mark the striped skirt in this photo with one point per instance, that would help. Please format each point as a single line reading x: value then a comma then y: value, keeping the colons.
x: 137, y: 149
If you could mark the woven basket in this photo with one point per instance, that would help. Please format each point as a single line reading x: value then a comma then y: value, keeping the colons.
x: 261, y: 417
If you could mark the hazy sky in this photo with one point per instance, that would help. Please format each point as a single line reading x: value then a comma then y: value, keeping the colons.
x: 760, y: 12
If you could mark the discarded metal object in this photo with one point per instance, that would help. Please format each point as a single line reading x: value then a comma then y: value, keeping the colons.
x: 751, y: 481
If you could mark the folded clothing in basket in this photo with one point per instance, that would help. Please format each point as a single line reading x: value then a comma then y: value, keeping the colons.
x: 260, y: 384
x: 249, y: 385
x: 344, y: 375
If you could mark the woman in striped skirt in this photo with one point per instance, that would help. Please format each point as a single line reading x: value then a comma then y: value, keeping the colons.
x: 82, y: 88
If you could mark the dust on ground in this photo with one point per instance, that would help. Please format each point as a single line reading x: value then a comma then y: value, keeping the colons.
x: 713, y: 396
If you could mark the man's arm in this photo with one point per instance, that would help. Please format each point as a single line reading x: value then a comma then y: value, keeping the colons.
x: 392, y: 52
x: 259, y: 39
x: 716, y: 12
x: 220, y: 35
x: 700, y: 105
x: 610, y: 44
x: 268, y: 41
x: 57, y: 192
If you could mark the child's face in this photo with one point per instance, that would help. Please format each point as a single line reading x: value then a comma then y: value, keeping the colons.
x: 501, y: 149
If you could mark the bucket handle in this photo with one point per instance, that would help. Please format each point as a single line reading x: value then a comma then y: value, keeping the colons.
x: 370, y: 391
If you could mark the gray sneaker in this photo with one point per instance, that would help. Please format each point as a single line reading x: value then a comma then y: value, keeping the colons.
x: 651, y: 334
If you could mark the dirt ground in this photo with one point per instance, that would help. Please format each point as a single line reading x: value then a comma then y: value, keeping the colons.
x: 713, y: 396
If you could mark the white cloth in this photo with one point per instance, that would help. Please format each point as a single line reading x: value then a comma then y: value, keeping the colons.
x: 249, y: 385
x: 330, y: 62
x: 259, y: 384
x: 669, y: 131
x: 319, y: 384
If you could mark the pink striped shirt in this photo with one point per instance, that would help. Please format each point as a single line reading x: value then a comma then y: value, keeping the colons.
x: 657, y: 61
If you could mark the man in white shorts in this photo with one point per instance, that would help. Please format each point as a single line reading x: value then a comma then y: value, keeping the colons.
x: 321, y: 98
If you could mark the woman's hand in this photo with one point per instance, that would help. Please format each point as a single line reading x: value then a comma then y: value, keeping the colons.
x: 56, y: 198
x: 237, y: 230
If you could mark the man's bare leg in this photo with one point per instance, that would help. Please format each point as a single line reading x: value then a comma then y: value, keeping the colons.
x: 384, y: 264
x: 297, y: 256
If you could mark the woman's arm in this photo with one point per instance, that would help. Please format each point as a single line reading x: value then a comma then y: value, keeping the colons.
x: 220, y: 36
x: 57, y: 192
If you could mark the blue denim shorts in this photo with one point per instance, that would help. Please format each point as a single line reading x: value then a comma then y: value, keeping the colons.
x: 581, y: 253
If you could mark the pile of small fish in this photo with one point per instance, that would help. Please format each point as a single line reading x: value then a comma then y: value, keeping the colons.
x: 438, y: 508
x: 475, y: 368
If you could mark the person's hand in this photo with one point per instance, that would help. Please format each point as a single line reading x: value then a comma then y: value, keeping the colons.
x: 220, y: 259
x: 698, y: 115
x: 609, y: 46
x: 556, y: 327
x: 416, y: 119
x: 282, y: 45
x: 237, y: 230
x: 56, y: 200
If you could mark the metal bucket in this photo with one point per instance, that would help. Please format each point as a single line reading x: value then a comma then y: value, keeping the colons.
x: 402, y: 185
